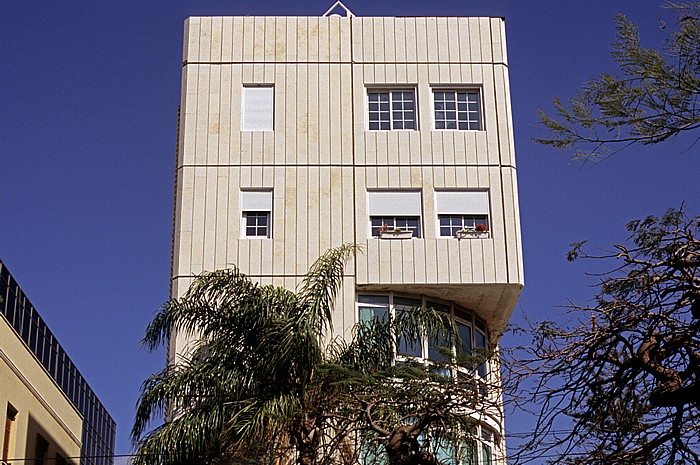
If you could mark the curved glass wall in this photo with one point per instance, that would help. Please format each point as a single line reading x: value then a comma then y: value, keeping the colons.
x: 480, y: 448
x: 471, y: 329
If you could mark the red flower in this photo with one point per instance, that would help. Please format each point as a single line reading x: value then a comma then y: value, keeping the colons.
x: 481, y: 228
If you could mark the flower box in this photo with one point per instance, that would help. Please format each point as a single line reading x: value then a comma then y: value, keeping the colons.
x: 396, y: 234
x: 471, y: 234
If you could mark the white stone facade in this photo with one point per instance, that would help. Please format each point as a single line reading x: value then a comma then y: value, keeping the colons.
x: 275, y: 120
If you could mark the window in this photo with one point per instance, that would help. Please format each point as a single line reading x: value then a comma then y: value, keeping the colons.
x: 392, y: 212
x: 457, y: 109
x: 256, y: 224
x: 462, y: 214
x: 394, y: 224
x: 376, y: 307
x: 257, y: 108
x: 404, y: 347
x: 477, y: 449
x: 391, y: 109
x: 451, y: 224
x: 486, y: 447
x: 471, y: 330
x: 40, y: 450
x: 256, y: 214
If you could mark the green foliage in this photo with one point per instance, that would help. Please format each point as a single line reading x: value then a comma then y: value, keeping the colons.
x: 622, y: 383
x: 653, y: 97
x: 248, y: 376
x: 265, y: 381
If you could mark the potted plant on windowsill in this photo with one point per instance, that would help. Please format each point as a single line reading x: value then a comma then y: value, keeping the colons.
x: 385, y: 232
x: 471, y: 232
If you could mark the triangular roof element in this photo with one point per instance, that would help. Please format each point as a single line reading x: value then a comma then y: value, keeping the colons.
x: 337, y: 5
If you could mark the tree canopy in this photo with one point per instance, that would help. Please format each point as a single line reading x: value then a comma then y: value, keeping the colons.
x: 265, y: 381
x: 653, y: 97
x: 620, y: 384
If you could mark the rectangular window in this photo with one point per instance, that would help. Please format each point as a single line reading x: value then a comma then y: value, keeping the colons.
x: 450, y: 225
x: 256, y: 214
x: 391, y: 109
x: 257, y: 109
x: 382, y: 224
x: 457, y: 109
x: 371, y: 308
x: 41, y: 448
x: 257, y: 224
x: 394, y: 212
x: 486, y: 447
x: 405, y: 347
x: 462, y: 214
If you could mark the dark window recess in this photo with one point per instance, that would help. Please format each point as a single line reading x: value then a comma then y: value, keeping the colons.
x: 257, y: 224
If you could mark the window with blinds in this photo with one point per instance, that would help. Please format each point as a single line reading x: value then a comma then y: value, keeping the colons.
x: 462, y: 212
x: 392, y: 212
x: 256, y: 214
x: 257, y: 112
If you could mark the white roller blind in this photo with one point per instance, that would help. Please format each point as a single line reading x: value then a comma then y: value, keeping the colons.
x: 257, y: 112
x: 462, y: 203
x: 256, y: 201
x: 394, y: 203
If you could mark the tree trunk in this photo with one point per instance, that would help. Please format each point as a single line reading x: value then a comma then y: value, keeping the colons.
x: 403, y: 448
x: 306, y: 440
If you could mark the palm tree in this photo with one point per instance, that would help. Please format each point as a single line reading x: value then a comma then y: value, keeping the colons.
x: 244, y: 388
x: 265, y: 382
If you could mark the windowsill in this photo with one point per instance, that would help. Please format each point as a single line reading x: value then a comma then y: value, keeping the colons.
x: 395, y: 235
x: 391, y: 130
x: 471, y: 235
x: 256, y: 238
x: 458, y: 130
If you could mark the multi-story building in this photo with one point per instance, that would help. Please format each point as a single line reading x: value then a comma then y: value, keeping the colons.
x: 297, y: 134
x: 52, y: 416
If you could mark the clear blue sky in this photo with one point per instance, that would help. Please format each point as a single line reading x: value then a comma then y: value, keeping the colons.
x: 89, y: 92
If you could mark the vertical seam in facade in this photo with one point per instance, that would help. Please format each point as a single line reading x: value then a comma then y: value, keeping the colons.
x: 354, y: 168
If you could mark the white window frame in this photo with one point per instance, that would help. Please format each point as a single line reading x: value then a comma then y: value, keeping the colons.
x: 255, y: 201
x: 464, y: 203
x: 391, y: 91
x: 261, y: 118
x: 459, y: 90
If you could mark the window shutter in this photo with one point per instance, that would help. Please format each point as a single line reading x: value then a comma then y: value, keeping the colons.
x: 394, y: 203
x: 462, y: 203
x: 256, y: 201
x: 258, y: 108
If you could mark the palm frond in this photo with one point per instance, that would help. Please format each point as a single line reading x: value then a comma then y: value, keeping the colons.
x: 321, y: 284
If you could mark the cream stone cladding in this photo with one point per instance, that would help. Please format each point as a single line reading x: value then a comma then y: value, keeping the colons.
x: 41, y: 406
x: 320, y: 160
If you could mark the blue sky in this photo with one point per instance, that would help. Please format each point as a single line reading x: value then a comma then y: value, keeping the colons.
x: 88, y: 106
